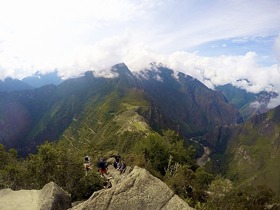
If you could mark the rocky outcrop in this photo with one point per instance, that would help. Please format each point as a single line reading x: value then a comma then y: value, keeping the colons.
x: 136, y: 190
x: 50, y: 197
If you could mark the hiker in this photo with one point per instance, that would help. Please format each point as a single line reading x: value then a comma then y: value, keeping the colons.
x: 122, y: 167
x: 117, y: 161
x: 102, y: 166
x: 87, y: 164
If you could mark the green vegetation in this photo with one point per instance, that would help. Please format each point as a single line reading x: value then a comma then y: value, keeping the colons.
x: 164, y: 156
x: 224, y: 195
x: 253, y: 156
x: 51, y: 163
x: 100, y: 118
x: 240, y: 98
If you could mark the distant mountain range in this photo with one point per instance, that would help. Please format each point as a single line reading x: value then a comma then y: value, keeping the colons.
x: 249, y: 104
x: 160, y: 98
x: 35, y: 81
x: 113, y: 113
x: 10, y: 84
x: 38, y: 80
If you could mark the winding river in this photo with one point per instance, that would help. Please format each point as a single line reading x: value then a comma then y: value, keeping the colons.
x: 201, y: 161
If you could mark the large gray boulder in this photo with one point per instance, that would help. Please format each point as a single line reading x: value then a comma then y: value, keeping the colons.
x: 50, y: 197
x: 136, y: 190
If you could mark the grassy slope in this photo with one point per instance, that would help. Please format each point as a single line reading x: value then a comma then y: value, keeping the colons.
x: 254, y: 155
x: 111, y: 124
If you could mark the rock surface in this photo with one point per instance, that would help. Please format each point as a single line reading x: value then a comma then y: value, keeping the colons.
x: 50, y: 197
x: 135, y: 190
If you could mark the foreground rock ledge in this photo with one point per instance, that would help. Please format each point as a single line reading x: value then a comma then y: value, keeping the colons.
x: 137, y: 190
x: 50, y: 197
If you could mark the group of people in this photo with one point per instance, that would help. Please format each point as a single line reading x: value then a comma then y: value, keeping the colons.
x: 119, y: 164
x: 102, y: 165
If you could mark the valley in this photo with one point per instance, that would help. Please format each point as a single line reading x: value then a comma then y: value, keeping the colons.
x: 175, y: 127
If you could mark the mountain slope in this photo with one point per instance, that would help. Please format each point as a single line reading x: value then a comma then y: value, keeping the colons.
x: 10, y: 84
x: 113, y: 106
x: 253, y: 155
x: 249, y: 152
x: 247, y: 103
x: 186, y: 101
x: 38, y: 80
x: 20, y: 111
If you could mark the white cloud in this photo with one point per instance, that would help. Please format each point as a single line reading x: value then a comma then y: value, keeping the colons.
x: 255, y: 105
x: 274, y: 102
x: 209, y: 21
x: 217, y: 70
x: 44, y: 35
x: 74, y: 36
x: 105, y: 73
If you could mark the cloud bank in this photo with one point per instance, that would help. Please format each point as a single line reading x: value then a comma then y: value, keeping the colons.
x: 75, y: 36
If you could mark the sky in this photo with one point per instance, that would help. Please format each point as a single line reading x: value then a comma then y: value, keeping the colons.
x: 215, y: 41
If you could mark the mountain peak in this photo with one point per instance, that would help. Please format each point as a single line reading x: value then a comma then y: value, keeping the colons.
x: 120, y: 65
x: 126, y: 78
x: 38, y: 79
x: 10, y: 84
x: 121, y: 69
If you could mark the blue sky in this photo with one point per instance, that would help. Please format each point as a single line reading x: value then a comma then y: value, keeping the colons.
x: 221, y: 40
x: 263, y: 46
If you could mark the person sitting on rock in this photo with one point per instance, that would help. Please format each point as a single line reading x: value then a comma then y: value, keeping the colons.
x: 102, y: 166
x: 122, y: 167
x: 117, y: 161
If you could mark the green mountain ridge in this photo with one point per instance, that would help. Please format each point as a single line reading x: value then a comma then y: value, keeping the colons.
x: 254, y: 153
x: 249, y: 104
x: 248, y: 153
x: 194, y: 107
x: 148, y: 119
x: 10, y: 84
x: 183, y: 104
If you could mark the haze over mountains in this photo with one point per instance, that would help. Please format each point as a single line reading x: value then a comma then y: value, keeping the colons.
x: 35, y: 81
x: 239, y: 131
x: 177, y: 101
